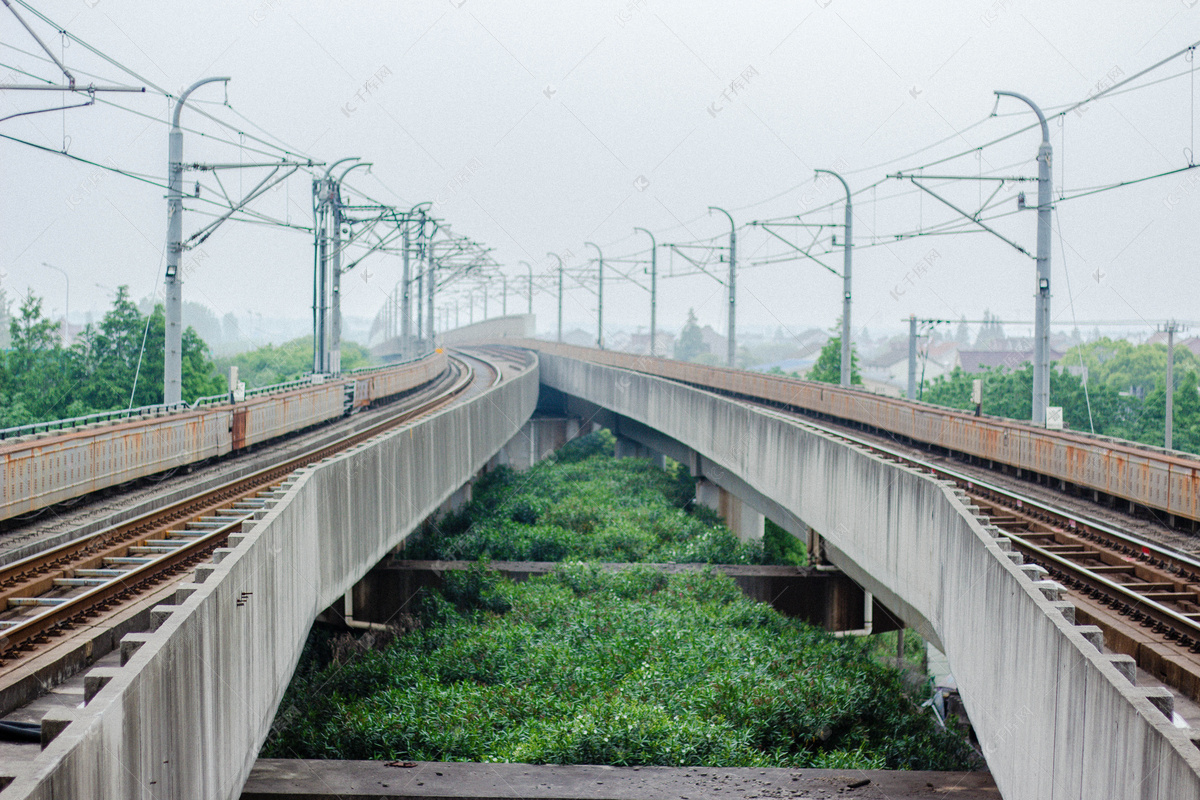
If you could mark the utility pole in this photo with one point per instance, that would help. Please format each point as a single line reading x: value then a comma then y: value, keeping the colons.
x: 560, y: 292
x: 173, y: 356
x: 504, y: 295
x: 599, y: 295
x: 912, y: 356
x: 432, y: 289
x: 405, y: 308
x: 325, y: 213
x: 484, y: 287
x: 847, y: 246
x: 1171, y: 327
x: 335, y: 338
x: 66, y: 306
x: 470, y: 306
x: 653, y: 288
x: 1041, y: 319
x: 731, y: 355
x: 530, y: 266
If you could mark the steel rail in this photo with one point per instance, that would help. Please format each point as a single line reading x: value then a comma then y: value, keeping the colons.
x: 1138, y: 606
x: 24, y: 634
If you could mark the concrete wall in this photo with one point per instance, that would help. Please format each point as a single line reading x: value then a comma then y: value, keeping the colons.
x: 514, y: 326
x: 187, y: 714
x: 1056, y: 717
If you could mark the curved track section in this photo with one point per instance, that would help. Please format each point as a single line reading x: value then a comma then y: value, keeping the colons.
x: 46, y: 594
x: 42, y: 470
x: 1148, y: 477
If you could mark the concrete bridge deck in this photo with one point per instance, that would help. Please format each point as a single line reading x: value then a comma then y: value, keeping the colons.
x: 193, y: 701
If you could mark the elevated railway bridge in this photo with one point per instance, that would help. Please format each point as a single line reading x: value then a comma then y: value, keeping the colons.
x: 1046, y: 565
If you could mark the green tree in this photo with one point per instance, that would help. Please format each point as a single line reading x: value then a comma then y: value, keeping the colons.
x: 38, y: 373
x: 691, y: 341
x: 828, y: 368
x: 270, y: 364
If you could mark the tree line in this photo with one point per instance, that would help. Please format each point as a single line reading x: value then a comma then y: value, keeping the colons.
x: 113, y: 364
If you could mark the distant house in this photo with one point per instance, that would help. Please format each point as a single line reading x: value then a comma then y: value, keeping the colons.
x: 975, y: 361
x: 715, y: 341
x: 580, y: 338
x: 639, y: 343
x: 1191, y: 343
x: 891, y: 367
x: 801, y: 366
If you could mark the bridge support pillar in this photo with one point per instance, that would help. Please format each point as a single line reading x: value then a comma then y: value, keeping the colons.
x: 630, y: 448
x: 746, y: 522
x: 537, y: 439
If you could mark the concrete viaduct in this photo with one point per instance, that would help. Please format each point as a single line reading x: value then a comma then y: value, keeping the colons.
x: 187, y: 713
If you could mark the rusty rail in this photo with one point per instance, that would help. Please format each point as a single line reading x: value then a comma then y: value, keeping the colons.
x: 65, y: 558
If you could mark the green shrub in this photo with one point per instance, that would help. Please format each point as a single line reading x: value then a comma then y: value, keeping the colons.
x: 587, y: 504
x: 631, y: 667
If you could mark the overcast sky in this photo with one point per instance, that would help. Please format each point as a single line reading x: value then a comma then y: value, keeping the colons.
x: 539, y: 126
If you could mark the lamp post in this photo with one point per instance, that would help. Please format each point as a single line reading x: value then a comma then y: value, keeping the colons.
x: 599, y: 295
x: 560, y: 292
x: 731, y: 355
x: 653, y: 288
x: 173, y: 355
x: 847, y: 248
x: 66, y: 305
x: 1041, y: 317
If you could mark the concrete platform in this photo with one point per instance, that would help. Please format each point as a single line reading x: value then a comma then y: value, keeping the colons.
x: 318, y: 780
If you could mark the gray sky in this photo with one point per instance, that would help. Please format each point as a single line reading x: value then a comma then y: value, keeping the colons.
x: 538, y: 126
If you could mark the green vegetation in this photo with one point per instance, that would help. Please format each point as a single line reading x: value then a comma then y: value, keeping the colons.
x: 628, y: 668
x: 269, y: 364
x: 828, y: 367
x: 1118, y: 372
x: 690, y: 344
x: 586, y: 504
x: 41, y: 380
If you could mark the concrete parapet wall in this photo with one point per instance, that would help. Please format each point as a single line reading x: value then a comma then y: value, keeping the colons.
x: 1055, y: 717
x: 187, y: 714
x: 514, y: 326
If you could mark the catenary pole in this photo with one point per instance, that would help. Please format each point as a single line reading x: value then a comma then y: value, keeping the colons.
x: 731, y: 354
x: 847, y: 248
x: 1041, y: 318
x: 173, y: 355
x: 599, y: 295
x: 653, y: 289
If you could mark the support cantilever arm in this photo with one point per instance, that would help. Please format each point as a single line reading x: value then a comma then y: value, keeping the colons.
x: 694, y: 263
x: 987, y: 228
x: 802, y: 251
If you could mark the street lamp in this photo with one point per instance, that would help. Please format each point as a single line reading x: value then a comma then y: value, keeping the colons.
x: 847, y: 245
x: 653, y: 287
x: 1041, y: 316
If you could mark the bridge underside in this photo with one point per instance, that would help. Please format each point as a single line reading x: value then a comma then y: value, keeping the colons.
x: 192, y: 706
x: 1056, y: 717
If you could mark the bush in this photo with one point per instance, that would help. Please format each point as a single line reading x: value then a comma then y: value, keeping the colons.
x: 587, y: 504
x: 632, y: 667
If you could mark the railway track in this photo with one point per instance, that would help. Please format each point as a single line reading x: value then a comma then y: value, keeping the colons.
x: 1138, y: 592
x: 45, y: 595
